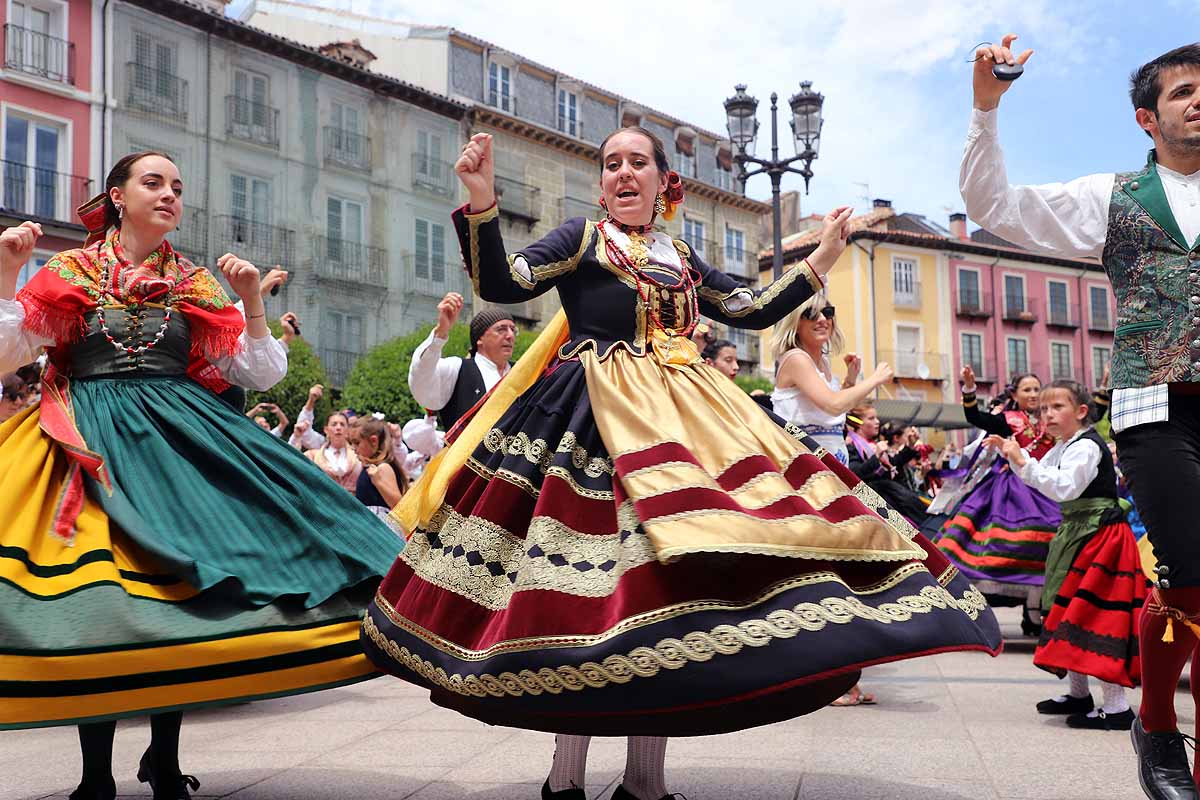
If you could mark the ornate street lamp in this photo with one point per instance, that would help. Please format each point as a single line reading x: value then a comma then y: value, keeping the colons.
x: 742, y: 124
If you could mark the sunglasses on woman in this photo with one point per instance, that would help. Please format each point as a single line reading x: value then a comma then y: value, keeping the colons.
x: 815, y: 314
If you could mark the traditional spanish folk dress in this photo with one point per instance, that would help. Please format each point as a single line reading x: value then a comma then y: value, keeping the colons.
x: 619, y: 540
x: 160, y: 551
x: 1095, y: 588
x: 1000, y: 532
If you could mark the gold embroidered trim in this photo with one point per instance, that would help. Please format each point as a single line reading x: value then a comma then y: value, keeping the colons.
x: 671, y: 653
x: 591, y: 344
x: 551, y: 556
x: 535, y: 491
x: 872, y: 500
x: 601, y: 251
x: 473, y: 223
x: 537, y: 451
x: 515, y: 274
x: 766, y: 296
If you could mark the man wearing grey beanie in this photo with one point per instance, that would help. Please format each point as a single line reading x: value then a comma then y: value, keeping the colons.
x: 451, y: 386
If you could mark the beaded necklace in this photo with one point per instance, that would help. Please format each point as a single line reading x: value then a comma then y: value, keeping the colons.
x: 633, y: 263
x: 120, y: 348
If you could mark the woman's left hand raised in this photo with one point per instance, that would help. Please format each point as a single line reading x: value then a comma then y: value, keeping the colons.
x: 243, y: 276
x: 835, y: 233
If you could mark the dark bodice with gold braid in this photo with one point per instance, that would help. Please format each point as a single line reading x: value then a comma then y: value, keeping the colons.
x: 133, y: 326
x: 601, y: 300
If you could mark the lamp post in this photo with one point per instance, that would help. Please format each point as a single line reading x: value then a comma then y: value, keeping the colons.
x: 742, y: 124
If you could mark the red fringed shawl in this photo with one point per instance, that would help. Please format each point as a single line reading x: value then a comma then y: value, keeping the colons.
x: 71, y: 285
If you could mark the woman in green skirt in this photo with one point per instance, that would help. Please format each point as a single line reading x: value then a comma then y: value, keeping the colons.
x: 160, y: 551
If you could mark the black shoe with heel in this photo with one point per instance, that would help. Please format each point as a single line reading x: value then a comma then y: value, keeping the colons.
x: 88, y: 790
x: 624, y: 794
x: 166, y: 787
x: 1163, y: 769
x: 564, y: 794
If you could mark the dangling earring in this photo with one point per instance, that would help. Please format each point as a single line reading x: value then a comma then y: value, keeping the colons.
x: 603, y: 204
x: 660, y: 205
x: 121, y: 212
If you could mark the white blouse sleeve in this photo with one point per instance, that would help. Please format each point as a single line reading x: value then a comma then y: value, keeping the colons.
x: 261, y: 364
x: 18, y: 347
x: 1078, y: 467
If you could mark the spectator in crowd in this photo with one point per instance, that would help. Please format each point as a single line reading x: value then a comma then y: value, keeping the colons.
x: 722, y: 354
x: 303, y: 436
x: 451, y: 386
x: 257, y: 414
x: 381, y: 482
x: 336, y: 458
x: 12, y: 395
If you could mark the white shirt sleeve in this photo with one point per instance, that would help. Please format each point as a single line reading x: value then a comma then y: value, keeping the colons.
x: 261, y: 364
x: 312, y: 439
x: 422, y: 436
x: 18, y: 347
x: 1078, y: 467
x: 1063, y: 219
x: 431, y: 378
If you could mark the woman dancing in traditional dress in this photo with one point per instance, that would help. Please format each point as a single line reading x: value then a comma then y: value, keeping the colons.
x: 1000, y: 533
x: 619, y: 541
x: 160, y: 551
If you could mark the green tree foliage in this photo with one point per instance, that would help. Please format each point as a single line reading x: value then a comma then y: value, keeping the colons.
x: 290, y: 394
x: 748, y: 383
x: 379, y: 381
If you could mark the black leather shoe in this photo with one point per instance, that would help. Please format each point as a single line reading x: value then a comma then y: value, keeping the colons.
x: 1163, y: 769
x: 624, y: 794
x: 573, y: 793
x: 1072, y: 705
x: 166, y: 787
x: 1121, y: 721
x: 92, y: 791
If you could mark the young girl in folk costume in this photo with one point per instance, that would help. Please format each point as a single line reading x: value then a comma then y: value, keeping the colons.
x: 807, y: 393
x: 616, y: 528
x: 1094, y: 587
x: 999, y: 534
x: 160, y: 551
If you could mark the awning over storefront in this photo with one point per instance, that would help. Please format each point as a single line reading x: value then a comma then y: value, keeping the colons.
x: 922, y: 413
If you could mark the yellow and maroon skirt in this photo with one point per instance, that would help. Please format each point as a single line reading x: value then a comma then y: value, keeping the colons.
x: 637, y: 548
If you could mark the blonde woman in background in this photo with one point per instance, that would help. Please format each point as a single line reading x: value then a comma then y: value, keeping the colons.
x: 807, y: 393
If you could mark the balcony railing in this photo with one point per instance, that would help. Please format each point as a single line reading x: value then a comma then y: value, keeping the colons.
x: 742, y: 266
x: 338, y: 363
x: 518, y: 199
x: 1064, y: 372
x: 35, y: 192
x: 1062, y: 315
x: 191, y: 237
x: 424, y: 276
x: 912, y: 364
x: 748, y: 344
x: 974, y: 305
x: 259, y: 243
x: 432, y: 174
x: 347, y: 148
x: 250, y: 121
x: 908, y: 296
x: 1020, y: 309
x: 571, y: 207
x: 39, y: 54
x: 156, y: 92
x: 350, y: 262
x: 1101, y: 323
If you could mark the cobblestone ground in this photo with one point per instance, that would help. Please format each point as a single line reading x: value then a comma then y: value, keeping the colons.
x: 951, y: 727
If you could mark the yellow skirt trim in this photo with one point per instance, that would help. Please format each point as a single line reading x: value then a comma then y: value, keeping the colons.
x: 32, y: 475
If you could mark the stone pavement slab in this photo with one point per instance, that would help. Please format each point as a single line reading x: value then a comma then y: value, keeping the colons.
x: 959, y: 726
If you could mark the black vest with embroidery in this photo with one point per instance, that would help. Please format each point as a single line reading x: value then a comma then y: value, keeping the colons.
x: 467, y: 390
x: 1104, y: 486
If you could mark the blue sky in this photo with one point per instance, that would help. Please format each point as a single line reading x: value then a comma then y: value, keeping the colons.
x: 897, y: 87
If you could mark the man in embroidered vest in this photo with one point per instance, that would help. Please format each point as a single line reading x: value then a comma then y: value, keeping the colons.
x: 452, y: 386
x: 1145, y: 227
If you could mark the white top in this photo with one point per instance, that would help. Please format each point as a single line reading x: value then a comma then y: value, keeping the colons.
x: 1065, y: 471
x: 261, y: 364
x: 1065, y: 219
x: 312, y: 439
x: 422, y: 435
x: 431, y: 378
x: 795, y: 406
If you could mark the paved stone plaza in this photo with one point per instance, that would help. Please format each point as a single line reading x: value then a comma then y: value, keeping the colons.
x: 953, y: 727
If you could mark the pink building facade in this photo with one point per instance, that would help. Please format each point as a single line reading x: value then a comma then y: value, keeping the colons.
x: 49, y: 117
x: 1016, y: 312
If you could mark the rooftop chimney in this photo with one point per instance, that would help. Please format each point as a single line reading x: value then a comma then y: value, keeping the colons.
x: 880, y: 203
x: 958, y: 226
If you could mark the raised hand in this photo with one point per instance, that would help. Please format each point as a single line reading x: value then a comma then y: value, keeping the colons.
x: 448, y: 310
x: 16, y: 247
x: 476, y: 168
x: 273, y: 280
x: 989, y: 88
x: 853, y: 364
x: 835, y: 232
x: 290, y: 324
x: 883, y: 374
x: 968, y: 379
x: 243, y: 277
